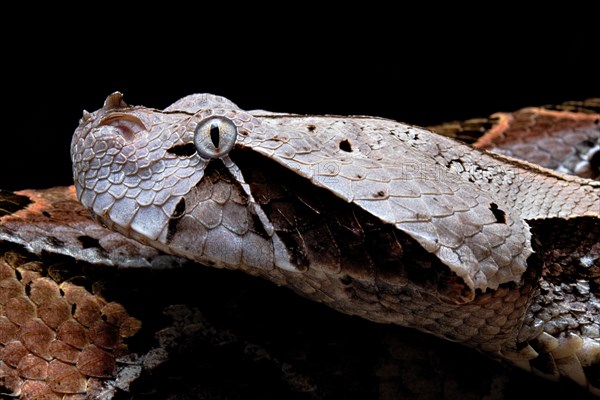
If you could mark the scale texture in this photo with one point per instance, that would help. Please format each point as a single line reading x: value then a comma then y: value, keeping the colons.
x: 370, y: 216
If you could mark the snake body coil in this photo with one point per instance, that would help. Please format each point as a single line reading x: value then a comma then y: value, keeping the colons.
x: 375, y: 218
x: 370, y: 216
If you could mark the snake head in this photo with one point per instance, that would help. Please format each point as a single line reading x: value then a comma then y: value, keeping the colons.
x: 164, y: 177
x: 205, y: 180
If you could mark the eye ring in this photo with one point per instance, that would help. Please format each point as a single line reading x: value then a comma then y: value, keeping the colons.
x: 215, y: 137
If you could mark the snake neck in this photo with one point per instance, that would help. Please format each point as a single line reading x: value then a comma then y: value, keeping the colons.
x: 560, y: 335
x: 549, y: 324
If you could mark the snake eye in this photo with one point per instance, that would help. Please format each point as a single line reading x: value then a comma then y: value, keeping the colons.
x: 127, y: 125
x: 214, y: 137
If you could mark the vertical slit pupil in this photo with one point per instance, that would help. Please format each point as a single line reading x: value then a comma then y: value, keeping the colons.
x: 214, y: 134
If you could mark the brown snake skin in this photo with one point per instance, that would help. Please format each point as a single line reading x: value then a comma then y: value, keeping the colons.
x: 567, y: 311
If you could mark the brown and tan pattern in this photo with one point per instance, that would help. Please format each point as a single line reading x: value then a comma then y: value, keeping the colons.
x: 57, y: 338
x: 562, y: 138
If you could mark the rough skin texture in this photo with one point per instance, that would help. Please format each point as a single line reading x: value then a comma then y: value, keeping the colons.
x: 372, y: 217
x: 383, y: 366
x: 57, y: 337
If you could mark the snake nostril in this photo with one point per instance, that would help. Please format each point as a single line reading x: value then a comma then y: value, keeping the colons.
x: 128, y: 126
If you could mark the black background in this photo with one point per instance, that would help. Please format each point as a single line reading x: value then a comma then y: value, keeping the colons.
x: 415, y: 68
x: 421, y: 68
